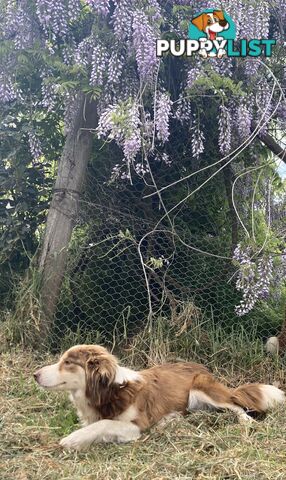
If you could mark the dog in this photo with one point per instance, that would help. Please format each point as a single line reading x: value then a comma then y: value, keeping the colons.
x: 117, y: 404
x: 211, y: 24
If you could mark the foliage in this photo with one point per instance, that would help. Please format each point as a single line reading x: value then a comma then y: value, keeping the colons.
x: 160, y: 121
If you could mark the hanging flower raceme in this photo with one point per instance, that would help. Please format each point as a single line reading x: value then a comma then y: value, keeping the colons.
x: 244, y: 119
x: 253, y: 280
x: 193, y: 75
x: 8, y: 92
x: 122, y: 123
x: 99, y: 63
x: 264, y: 108
x: 162, y: 116
x: 122, y: 19
x: 224, y: 127
x: 35, y: 146
x: 53, y: 17
x: 115, y: 68
x: 144, y: 42
x: 100, y: 6
x: 83, y: 52
x: 183, y: 110
x: 198, y: 139
x: 49, y: 91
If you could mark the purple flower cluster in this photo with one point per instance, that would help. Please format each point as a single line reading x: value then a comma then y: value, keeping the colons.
x: 122, y: 19
x: 83, y: 52
x: 144, y: 42
x: 193, y: 75
x: 74, y: 10
x: 115, y: 68
x: 100, y: 6
x: 223, y: 66
x: 70, y: 111
x: 34, y: 145
x: 99, y: 63
x: 119, y: 172
x: 244, y: 119
x: 8, y: 92
x: 49, y: 92
x: 224, y: 127
x: 53, y: 17
x: 197, y: 139
x: 183, y: 111
x: 253, y: 279
x: 141, y: 169
x: 132, y: 140
x: 164, y: 158
x: 17, y: 25
x: 122, y: 123
x: 162, y: 117
x: 262, y: 103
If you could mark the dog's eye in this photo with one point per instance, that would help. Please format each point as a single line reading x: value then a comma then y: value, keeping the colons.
x: 67, y: 362
x: 209, y: 21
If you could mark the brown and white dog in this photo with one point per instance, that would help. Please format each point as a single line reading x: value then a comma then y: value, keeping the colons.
x: 116, y: 404
x: 212, y: 24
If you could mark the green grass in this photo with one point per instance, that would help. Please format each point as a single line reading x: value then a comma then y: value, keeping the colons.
x: 201, y: 446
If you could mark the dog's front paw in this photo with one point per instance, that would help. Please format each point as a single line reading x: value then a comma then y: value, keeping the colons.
x: 75, y: 441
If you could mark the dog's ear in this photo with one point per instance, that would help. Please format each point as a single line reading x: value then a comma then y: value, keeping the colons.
x: 200, y: 22
x: 219, y: 14
x: 100, y: 373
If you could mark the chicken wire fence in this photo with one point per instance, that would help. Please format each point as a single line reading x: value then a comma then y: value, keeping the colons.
x: 122, y: 276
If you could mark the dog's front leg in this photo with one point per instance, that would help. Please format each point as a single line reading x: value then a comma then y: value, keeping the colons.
x: 102, y: 431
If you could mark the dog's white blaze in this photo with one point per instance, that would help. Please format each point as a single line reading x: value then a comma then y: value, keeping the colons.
x: 50, y: 376
x: 54, y: 378
x: 271, y: 396
x: 124, y: 374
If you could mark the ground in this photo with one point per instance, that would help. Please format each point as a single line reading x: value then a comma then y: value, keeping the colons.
x: 201, y: 446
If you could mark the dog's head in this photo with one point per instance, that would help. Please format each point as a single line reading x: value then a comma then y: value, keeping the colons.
x: 90, y: 368
x: 211, y: 23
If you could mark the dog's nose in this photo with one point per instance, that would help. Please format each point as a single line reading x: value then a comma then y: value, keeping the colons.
x: 223, y: 23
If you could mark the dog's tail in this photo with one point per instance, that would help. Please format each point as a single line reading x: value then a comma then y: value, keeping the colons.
x: 272, y: 345
x: 257, y: 397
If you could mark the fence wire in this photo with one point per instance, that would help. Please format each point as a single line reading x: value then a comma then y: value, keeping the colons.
x: 122, y: 276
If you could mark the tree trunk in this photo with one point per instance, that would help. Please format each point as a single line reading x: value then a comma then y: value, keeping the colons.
x: 63, y: 209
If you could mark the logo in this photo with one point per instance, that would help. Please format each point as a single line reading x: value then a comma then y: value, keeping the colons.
x: 212, y: 33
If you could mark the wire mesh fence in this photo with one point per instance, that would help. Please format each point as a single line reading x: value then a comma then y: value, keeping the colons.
x: 128, y: 271
x: 123, y: 276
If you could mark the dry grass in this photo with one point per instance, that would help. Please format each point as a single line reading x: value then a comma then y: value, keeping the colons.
x: 201, y: 446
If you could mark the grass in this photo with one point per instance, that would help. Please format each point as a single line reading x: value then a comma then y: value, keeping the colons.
x: 201, y: 446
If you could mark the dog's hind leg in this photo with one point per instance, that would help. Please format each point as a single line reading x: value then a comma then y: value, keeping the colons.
x: 199, y: 400
x: 208, y: 394
x: 102, y: 431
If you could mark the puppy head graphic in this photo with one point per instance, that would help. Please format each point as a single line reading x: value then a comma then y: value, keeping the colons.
x: 212, y: 24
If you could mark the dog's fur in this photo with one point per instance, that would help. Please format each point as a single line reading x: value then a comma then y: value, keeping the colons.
x: 115, y: 403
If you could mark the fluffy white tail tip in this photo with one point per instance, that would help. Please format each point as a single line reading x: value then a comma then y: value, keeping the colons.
x: 272, y: 345
x: 271, y: 396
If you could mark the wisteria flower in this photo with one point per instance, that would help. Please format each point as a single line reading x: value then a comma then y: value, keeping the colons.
x: 162, y: 116
x: 198, y: 139
x: 224, y: 127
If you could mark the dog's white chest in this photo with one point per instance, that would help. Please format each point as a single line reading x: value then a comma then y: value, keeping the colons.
x: 85, y: 412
